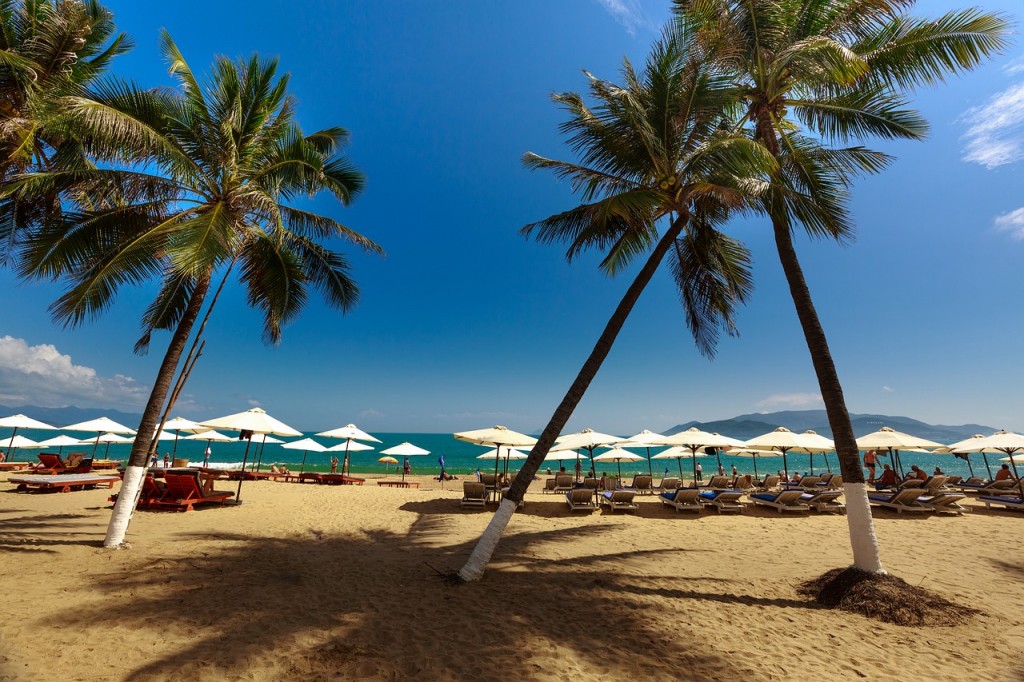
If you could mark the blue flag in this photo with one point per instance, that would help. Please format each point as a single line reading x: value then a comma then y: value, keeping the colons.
x: 440, y: 460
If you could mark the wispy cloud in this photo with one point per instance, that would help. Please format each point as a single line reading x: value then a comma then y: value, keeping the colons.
x: 1015, y: 67
x: 254, y: 403
x: 995, y: 130
x: 628, y: 13
x: 370, y: 414
x: 42, y: 375
x: 1012, y: 222
x: 888, y: 389
x: 791, y: 400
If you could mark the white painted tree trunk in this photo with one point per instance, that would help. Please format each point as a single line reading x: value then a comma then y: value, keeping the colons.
x: 862, y: 530
x: 125, y: 506
x: 485, y: 546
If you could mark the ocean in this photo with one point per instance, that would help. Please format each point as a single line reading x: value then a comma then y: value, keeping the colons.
x: 461, y: 458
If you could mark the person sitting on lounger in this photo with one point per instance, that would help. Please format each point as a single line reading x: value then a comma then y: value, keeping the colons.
x: 918, y: 473
x: 887, y: 479
x: 796, y: 477
x: 783, y: 478
x: 1004, y: 473
x: 938, y: 472
x: 274, y: 469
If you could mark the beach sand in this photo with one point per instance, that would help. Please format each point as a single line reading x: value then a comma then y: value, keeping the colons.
x: 320, y: 583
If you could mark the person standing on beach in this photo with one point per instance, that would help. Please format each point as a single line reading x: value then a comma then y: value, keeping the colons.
x: 870, y: 460
x: 407, y: 467
x: 700, y: 473
x: 334, y: 465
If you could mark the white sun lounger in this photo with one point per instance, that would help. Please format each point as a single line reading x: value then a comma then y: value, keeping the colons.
x: 901, y: 501
x: 824, y: 501
x: 683, y: 499
x: 474, y: 494
x: 787, y: 500
x: 722, y: 500
x: 619, y: 499
x: 1014, y: 503
x: 947, y: 502
x: 580, y: 498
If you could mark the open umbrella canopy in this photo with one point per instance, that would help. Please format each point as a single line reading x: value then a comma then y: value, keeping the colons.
x: 405, y: 449
x: 1002, y: 441
x: 99, y: 425
x: 814, y: 443
x: 618, y: 455
x: 19, y: 442
x: 886, y: 437
x: 304, y: 444
x: 182, y: 424
x: 562, y: 455
x: 587, y: 438
x: 255, y: 420
x: 644, y: 439
x: 215, y: 436
x: 106, y: 438
x: 387, y: 459
x: 781, y: 439
x: 695, y: 438
x: 352, y: 446
x: 503, y: 453
x: 496, y: 435
x: 20, y: 421
x: 56, y: 442
x: 678, y: 452
x: 349, y: 432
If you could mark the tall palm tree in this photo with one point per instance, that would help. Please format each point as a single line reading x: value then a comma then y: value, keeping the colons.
x: 48, y: 49
x: 657, y: 175
x: 200, y: 180
x: 835, y: 68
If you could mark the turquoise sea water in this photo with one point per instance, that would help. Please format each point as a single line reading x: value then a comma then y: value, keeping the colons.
x: 460, y: 457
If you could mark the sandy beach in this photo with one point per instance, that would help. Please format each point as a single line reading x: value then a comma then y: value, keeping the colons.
x: 316, y: 582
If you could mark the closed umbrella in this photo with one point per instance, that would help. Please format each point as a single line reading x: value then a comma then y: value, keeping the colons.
x: 100, y: 425
x: 350, y: 433
x: 254, y: 421
x: 892, y: 440
x: 405, y: 450
x: 306, y: 445
x: 20, y: 421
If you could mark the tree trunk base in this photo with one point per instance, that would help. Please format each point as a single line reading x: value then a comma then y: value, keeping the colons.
x: 884, y: 597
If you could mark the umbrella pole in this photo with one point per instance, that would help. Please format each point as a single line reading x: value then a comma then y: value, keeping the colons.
x: 785, y: 464
x: 174, y: 450
x: 985, y: 455
x: 406, y: 462
x: 693, y: 458
x: 650, y: 467
x: 1020, y: 483
x: 810, y: 456
x: 827, y: 465
x: 96, y: 445
x: 345, y: 470
x: 106, y: 453
x: 718, y: 456
x: 620, y: 470
x: 679, y: 461
x: 263, y: 445
x: 11, y: 445
x: 756, y: 477
x: 303, y: 465
x: 238, y: 493
x: 970, y: 468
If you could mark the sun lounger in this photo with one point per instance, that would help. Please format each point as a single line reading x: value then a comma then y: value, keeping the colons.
x: 945, y: 501
x: 744, y: 483
x: 667, y: 485
x: 1014, y: 503
x: 722, y: 500
x: 49, y: 464
x: 717, y: 483
x: 563, y: 483
x: 619, y: 499
x: 338, y: 479
x: 786, y: 500
x: 310, y: 477
x: 824, y: 501
x: 474, y: 494
x: 769, y: 483
x: 549, y: 485
x: 184, y: 492
x: 806, y: 483
x: 682, y: 499
x: 14, y: 466
x: 1005, y: 487
x: 833, y: 482
x: 64, y: 483
x: 901, y: 500
x: 642, y: 484
x: 953, y: 480
x: 580, y: 498
x: 593, y: 483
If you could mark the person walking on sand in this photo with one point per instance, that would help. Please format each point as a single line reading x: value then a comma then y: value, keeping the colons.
x: 407, y: 468
x: 870, y: 461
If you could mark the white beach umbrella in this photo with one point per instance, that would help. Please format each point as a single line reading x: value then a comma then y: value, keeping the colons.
x: 496, y: 436
x: 209, y: 436
x: 1009, y: 443
x: 781, y: 439
x: 179, y: 424
x: 405, y: 449
x: 14, y: 442
x: 58, y: 442
x: 248, y: 423
x: 503, y: 453
x: 679, y: 453
x: 20, y: 421
x: 696, y: 439
x: 618, y: 455
x: 754, y: 454
x: 963, y: 448
x: 587, y: 439
x: 892, y: 440
x: 107, y: 438
x: 100, y: 425
x: 306, y: 445
x: 815, y: 443
x: 350, y: 433
x: 646, y: 439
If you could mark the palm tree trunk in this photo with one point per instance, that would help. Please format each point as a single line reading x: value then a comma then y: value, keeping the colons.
x: 488, y: 542
x: 127, y: 498
x: 858, y: 510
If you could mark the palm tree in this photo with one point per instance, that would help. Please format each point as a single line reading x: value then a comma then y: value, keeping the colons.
x: 203, y: 185
x: 835, y: 68
x: 48, y: 50
x: 657, y: 176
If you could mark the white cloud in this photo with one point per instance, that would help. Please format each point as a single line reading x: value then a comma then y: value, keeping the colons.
x: 888, y: 389
x: 41, y: 375
x: 254, y: 403
x: 995, y: 131
x: 791, y: 400
x: 1014, y: 67
x: 628, y: 13
x: 1012, y: 222
x: 370, y: 414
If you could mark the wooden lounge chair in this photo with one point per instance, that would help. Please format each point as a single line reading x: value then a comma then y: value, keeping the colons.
x: 619, y: 499
x: 744, y: 483
x: 786, y: 500
x: 593, y: 483
x: 769, y: 483
x: 49, y: 464
x: 824, y: 501
x: 609, y: 483
x: 944, y: 501
x: 722, y: 500
x: 901, y: 500
x: 563, y: 483
x: 1014, y: 503
x: 184, y: 492
x: 549, y: 485
x: 64, y: 483
x: 806, y: 483
x: 310, y: 477
x: 474, y: 494
x: 580, y: 498
x: 1007, y: 486
x: 717, y: 483
x: 667, y: 485
x: 642, y: 484
x: 682, y: 499
x: 834, y: 482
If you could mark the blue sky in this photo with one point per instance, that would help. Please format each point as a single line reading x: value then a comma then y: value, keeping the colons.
x: 465, y: 324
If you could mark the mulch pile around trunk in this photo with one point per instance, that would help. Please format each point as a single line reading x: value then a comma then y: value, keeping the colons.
x: 884, y: 597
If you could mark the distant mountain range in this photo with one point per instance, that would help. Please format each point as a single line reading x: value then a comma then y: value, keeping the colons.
x: 62, y: 416
x: 749, y: 425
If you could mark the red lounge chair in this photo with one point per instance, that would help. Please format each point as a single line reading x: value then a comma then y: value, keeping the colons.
x: 311, y: 476
x: 152, y: 493
x: 49, y: 464
x: 184, y: 492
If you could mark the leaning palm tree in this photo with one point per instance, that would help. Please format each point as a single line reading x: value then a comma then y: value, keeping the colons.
x: 48, y: 49
x: 657, y: 175
x: 198, y: 182
x: 833, y: 68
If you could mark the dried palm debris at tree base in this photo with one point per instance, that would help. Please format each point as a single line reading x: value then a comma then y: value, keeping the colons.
x: 884, y: 597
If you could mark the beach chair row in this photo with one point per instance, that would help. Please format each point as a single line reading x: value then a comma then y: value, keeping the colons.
x: 177, y: 492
